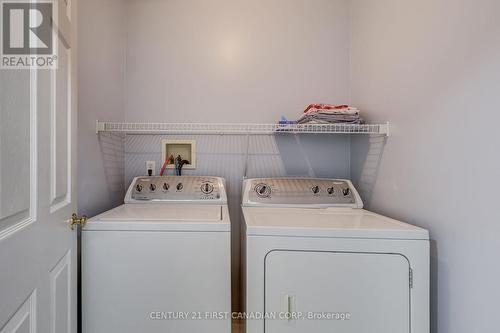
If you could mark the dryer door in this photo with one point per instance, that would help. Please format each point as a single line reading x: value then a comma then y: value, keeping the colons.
x: 325, y: 292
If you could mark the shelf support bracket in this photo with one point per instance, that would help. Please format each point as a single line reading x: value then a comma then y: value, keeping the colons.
x: 99, y: 126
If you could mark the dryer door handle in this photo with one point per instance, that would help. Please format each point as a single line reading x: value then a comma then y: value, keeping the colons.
x: 288, y: 306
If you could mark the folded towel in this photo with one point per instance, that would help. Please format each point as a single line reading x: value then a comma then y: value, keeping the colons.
x: 327, y: 114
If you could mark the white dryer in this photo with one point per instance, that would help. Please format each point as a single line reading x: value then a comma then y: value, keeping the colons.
x: 315, y: 261
x: 161, y: 261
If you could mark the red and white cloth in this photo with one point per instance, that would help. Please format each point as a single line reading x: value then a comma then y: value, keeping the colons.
x: 328, y: 114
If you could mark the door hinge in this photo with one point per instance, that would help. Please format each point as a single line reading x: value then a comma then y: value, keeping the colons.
x: 411, y: 278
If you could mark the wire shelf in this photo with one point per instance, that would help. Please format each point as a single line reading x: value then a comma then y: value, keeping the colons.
x: 240, y: 129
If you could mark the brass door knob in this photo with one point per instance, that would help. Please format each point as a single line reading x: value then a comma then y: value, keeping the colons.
x: 77, y: 221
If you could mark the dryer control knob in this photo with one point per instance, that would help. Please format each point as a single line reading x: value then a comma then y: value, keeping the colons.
x: 346, y: 191
x: 330, y: 190
x: 166, y: 186
x: 152, y: 187
x: 138, y: 187
x: 180, y: 186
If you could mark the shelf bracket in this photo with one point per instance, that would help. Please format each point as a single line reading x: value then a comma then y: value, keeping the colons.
x: 99, y: 126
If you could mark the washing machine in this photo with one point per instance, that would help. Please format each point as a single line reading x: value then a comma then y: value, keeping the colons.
x: 161, y: 261
x: 316, y: 261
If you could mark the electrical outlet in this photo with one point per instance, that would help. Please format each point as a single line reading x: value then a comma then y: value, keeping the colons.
x: 151, y: 165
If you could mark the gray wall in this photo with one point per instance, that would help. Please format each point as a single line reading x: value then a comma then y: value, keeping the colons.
x: 234, y: 60
x: 432, y: 67
x: 101, y: 61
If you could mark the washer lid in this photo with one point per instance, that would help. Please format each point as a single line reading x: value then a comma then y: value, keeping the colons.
x: 162, y: 217
x: 330, y: 222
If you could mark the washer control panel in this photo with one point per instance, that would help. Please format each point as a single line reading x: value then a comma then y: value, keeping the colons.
x: 300, y: 192
x: 176, y: 189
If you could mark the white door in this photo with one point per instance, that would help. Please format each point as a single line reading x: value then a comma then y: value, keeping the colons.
x: 38, y: 256
x: 325, y: 292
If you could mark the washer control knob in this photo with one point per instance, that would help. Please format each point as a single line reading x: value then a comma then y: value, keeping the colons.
x: 263, y: 190
x: 346, y: 191
x: 152, y: 187
x: 166, y: 186
x: 180, y: 186
x: 315, y: 189
x: 138, y: 187
x: 330, y: 190
x: 207, y: 188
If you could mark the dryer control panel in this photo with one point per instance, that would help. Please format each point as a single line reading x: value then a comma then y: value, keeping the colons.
x: 308, y: 192
x: 177, y: 189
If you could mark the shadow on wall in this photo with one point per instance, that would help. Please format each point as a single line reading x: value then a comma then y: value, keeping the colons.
x: 113, y: 158
x: 307, y: 155
x: 365, y: 178
x: 371, y: 149
x: 268, y: 156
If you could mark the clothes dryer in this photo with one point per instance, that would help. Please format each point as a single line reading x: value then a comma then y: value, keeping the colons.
x: 316, y: 261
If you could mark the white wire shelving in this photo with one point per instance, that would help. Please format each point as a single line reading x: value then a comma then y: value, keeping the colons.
x: 239, y: 129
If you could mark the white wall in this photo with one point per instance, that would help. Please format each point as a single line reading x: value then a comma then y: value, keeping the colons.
x: 234, y: 60
x: 101, y: 53
x: 432, y: 68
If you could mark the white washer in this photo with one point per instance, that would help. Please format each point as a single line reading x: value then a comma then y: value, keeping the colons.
x: 317, y: 262
x: 162, y: 256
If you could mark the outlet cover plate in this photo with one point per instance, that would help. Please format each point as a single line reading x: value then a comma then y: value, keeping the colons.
x: 151, y: 165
